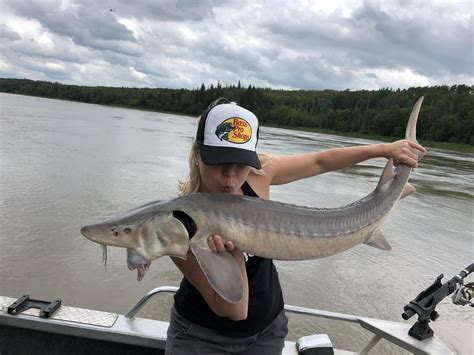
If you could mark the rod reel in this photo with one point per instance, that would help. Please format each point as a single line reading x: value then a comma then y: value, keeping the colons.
x: 425, y: 303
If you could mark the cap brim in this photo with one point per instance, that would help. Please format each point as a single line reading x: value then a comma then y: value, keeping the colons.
x: 219, y: 155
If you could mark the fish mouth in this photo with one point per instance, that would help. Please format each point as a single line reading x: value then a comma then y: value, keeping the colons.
x: 138, y: 262
x: 142, y: 269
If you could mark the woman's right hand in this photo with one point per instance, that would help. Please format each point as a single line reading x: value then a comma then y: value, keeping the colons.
x: 403, y: 151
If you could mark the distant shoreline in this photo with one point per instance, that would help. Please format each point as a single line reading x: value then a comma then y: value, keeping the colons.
x: 458, y: 147
x: 463, y: 148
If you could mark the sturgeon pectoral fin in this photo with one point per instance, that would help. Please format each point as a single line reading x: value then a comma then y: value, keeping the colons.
x: 378, y: 241
x: 407, y: 190
x: 222, y: 272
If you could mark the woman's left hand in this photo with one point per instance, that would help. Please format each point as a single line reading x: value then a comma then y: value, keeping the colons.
x: 403, y: 151
x: 218, y: 245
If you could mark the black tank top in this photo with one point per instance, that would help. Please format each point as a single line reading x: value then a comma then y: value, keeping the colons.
x: 265, y: 296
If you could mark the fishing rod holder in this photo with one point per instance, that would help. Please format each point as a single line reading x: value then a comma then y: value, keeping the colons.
x: 23, y: 303
x: 425, y: 303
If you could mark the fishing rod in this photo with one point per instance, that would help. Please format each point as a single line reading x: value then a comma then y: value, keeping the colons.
x: 425, y: 303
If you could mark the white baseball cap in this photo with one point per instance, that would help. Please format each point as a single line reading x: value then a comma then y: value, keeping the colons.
x: 228, y: 133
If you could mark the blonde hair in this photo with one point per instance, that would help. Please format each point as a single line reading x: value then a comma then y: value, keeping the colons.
x: 193, y: 181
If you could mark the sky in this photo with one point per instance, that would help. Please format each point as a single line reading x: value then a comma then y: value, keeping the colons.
x: 298, y: 44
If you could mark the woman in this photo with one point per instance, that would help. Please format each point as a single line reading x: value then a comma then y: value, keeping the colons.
x: 224, y: 159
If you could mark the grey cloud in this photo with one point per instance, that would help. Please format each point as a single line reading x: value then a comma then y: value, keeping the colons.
x: 8, y: 34
x: 279, y: 44
x: 89, y: 32
x: 87, y: 26
x: 373, y: 37
x: 56, y: 72
x: 307, y: 73
x: 156, y: 67
x: 233, y: 57
x: 170, y: 10
x: 421, y: 41
x: 60, y: 52
x: 170, y: 51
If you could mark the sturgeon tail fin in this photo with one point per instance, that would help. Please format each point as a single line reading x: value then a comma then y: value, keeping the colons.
x: 410, y: 132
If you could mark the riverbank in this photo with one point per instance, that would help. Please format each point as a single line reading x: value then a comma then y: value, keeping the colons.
x: 464, y: 148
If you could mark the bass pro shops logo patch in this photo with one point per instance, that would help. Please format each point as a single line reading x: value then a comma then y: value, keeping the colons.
x: 234, y: 130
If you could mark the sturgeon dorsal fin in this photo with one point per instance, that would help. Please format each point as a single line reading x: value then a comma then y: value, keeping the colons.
x: 221, y: 270
x: 387, y: 174
x: 407, y: 190
x: 377, y: 240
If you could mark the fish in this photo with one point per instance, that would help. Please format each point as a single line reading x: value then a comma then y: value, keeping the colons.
x: 260, y: 227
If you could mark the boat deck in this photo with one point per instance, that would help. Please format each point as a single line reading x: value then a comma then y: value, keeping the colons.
x: 75, y: 330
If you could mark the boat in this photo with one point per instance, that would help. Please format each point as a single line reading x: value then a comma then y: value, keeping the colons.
x: 71, y: 330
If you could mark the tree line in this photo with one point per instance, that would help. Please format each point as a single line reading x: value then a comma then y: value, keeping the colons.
x: 447, y: 114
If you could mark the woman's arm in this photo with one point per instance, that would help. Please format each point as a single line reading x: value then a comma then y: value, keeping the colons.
x: 286, y: 169
x: 192, y: 271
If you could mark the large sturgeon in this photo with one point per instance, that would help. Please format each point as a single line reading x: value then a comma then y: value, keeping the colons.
x: 260, y: 227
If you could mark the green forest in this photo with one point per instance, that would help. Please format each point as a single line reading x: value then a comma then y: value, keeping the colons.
x: 447, y: 114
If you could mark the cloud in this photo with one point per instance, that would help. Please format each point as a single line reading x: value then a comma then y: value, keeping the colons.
x: 8, y: 34
x: 301, y: 44
x: 138, y: 75
x: 86, y: 26
x: 167, y: 10
x: 375, y: 38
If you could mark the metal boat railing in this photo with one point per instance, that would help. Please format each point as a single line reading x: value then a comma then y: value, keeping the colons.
x: 395, y: 333
x: 163, y: 289
x: 293, y: 309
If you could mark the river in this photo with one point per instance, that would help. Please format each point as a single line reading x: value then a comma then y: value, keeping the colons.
x: 66, y: 164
